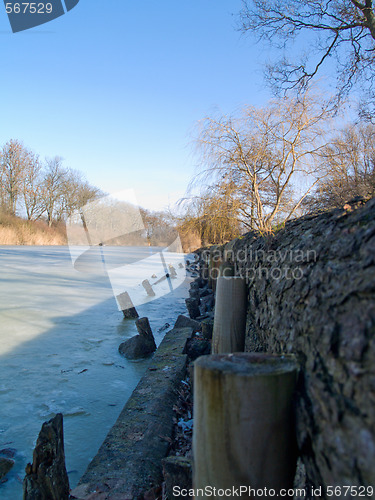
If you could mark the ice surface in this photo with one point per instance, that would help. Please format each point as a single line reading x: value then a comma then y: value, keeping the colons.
x: 59, y: 334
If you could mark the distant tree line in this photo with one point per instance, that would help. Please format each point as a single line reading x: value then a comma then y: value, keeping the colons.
x: 47, y: 190
x: 40, y: 189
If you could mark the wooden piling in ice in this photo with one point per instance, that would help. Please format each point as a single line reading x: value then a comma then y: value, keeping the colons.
x: 126, y: 306
x: 146, y: 285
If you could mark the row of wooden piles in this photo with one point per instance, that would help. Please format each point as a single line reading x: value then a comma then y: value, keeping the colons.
x: 244, y: 432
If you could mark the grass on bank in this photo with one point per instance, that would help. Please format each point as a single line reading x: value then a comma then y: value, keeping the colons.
x: 17, y: 231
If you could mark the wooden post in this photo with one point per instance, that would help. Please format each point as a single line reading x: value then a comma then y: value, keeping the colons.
x: 126, y: 305
x: 144, y: 330
x: 230, y: 315
x: 46, y: 477
x: 172, y: 271
x: 243, y: 422
x: 146, y: 285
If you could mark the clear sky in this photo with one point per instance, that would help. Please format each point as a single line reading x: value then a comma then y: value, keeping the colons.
x: 115, y: 87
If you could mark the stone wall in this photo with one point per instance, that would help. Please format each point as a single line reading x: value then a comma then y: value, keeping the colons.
x: 311, y: 292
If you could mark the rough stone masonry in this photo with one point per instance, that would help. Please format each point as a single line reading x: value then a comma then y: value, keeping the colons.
x: 311, y: 291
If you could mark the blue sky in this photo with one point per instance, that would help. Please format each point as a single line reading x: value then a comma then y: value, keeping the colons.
x: 115, y: 88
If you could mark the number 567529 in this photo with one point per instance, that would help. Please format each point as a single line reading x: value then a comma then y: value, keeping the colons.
x: 28, y: 8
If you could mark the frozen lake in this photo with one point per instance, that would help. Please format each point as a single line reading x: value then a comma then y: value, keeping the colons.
x: 60, y: 329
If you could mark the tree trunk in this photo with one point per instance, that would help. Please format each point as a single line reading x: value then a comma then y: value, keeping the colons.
x: 230, y: 315
x: 243, y: 422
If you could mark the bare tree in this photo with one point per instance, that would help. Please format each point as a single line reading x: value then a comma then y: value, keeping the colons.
x: 3, y: 195
x: 65, y: 190
x: 213, y: 216
x: 339, y: 29
x: 76, y: 192
x: 350, y: 163
x: 52, y: 187
x: 31, y: 187
x: 266, y: 157
x: 13, y: 160
x: 84, y: 193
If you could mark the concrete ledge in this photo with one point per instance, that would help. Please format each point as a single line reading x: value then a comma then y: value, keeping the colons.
x: 129, y: 461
